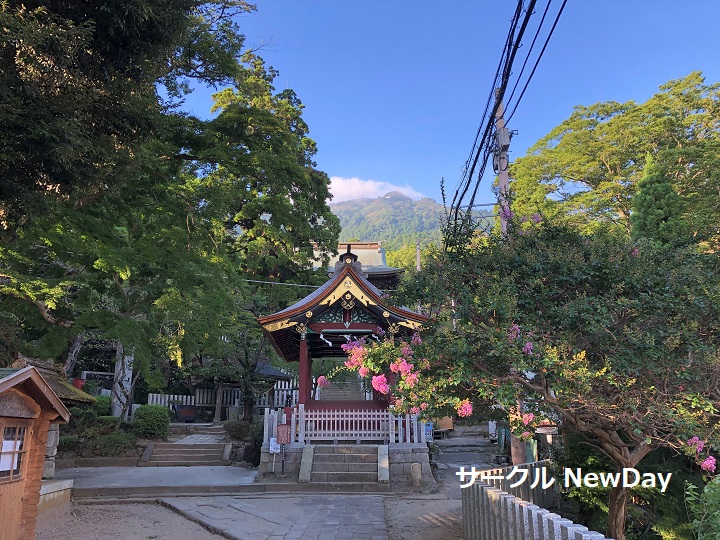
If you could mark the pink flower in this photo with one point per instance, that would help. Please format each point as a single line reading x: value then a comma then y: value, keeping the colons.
x: 708, y: 465
x: 380, y: 384
x: 537, y: 218
x: 423, y: 406
x: 414, y: 410
x: 364, y: 372
x: 697, y: 443
x: 514, y: 332
x: 379, y: 331
x: 416, y: 339
x: 406, y: 351
x: 505, y: 213
x: 527, y: 418
x: 635, y: 252
x: 528, y: 348
x: 464, y: 408
x: 323, y: 381
x: 411, y: 379
x: 526, y: 436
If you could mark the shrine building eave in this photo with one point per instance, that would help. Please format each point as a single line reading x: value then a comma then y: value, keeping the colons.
x: 346, y: 307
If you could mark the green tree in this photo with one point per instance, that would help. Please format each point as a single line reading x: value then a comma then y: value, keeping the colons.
x: 587, y: 170
x: 657, y: 209
x: 618, y: 341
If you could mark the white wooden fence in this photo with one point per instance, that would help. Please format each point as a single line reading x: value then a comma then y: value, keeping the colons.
x: 345, y: 425
x: 204, y: 397
x: 490, y: 512
x: 278, y: 396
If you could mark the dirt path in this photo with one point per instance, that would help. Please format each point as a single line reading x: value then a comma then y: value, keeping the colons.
x: 122, y: 522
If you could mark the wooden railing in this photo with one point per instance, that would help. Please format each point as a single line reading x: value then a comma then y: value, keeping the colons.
x: 345, y: 425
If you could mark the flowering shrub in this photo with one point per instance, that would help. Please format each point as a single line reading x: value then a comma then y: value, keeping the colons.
x: 322, y: 381
x: 396, y: 370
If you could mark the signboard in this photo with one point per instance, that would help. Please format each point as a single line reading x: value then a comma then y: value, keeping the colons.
x: 428, y: 431
x: 274, y: 446
x: 18, y: 405
x: 283, y: 434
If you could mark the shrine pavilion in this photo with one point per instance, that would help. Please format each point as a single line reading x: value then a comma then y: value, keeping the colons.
x: 347, y: 307
x: 313, y: 435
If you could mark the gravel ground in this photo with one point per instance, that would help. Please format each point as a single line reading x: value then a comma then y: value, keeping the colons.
x: 122, y: 522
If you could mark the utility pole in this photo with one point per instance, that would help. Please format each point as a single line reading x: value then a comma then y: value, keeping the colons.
x: 501, y: 163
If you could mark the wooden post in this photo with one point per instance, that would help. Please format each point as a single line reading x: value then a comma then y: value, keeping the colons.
x: 305, y: 377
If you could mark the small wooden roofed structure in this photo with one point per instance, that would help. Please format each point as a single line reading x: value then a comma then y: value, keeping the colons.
x: 346, y: 307
x: 28, y: 406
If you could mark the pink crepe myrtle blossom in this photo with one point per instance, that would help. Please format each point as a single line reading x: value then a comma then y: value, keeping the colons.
x: 464, y: 408
x: 527, y: 418
x: 322, y: 381
x: 537, y: 218
x: 415, y: 340
x: 526, y: 436
x: 406, y: 351
x: 380, y: 384
x: 364, y: 372
x: 528, y: 348
x: 411, y: 379
x: 423, y: 406
x: 635, y: 252
x: 709, y: 464
x: 514, y: 332
x: 506, y: 213
x: 414, y: 410
x: 696, y: 443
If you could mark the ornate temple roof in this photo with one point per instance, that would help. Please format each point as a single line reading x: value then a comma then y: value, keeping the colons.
x: 347, y: 306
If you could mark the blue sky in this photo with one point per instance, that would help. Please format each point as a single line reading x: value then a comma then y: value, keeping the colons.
x: 394, y: 90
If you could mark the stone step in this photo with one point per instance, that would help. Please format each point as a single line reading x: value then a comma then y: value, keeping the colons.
x: 344, y: 467
x: 345, y: 458
x: 198, y: 456
x: 180, y: 447
x: 346, y: 487
x: 343, y: 477
x: 346, y: 449
x: 187, y: 451
x: 184, y: 463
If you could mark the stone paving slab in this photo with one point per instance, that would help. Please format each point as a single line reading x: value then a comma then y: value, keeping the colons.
x: 130, y: 477
x: 311, y: 517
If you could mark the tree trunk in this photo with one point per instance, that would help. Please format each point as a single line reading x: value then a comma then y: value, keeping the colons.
x: 617, y: 507
x: 218, y: 402
x: 71, y: 360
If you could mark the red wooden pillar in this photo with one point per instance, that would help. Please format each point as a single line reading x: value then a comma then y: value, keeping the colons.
x: 304, y: 384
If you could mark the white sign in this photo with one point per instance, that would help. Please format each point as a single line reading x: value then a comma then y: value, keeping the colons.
x: 274, y: 446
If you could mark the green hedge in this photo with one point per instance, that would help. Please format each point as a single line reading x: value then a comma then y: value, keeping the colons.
x: 151, y: 422
x: 237, y: 429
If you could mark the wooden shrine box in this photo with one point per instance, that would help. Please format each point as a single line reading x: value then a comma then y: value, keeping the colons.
x: 27, y: 408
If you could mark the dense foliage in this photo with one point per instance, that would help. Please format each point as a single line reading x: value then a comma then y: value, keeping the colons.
x: 587, y: 170
x: 128, y: 225
x: 617, y: 340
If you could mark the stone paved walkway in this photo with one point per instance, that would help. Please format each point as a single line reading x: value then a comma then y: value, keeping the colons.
x: 310, y: 517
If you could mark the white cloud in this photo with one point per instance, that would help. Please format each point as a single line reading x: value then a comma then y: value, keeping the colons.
x: 344, y: 189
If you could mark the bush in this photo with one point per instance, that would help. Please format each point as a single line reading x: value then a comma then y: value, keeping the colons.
x: 67, y: 442
x: 113, y: 444
x: 102, y: 406
x: 151, y: 421
x: 237, y: 429
x: 704, y: 509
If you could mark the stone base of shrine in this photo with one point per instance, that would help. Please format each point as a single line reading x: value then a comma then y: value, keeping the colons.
x: 402, y: 457
x: 271, y: 464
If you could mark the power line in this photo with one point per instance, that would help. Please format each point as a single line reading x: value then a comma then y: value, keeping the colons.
x: 542, y: 51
